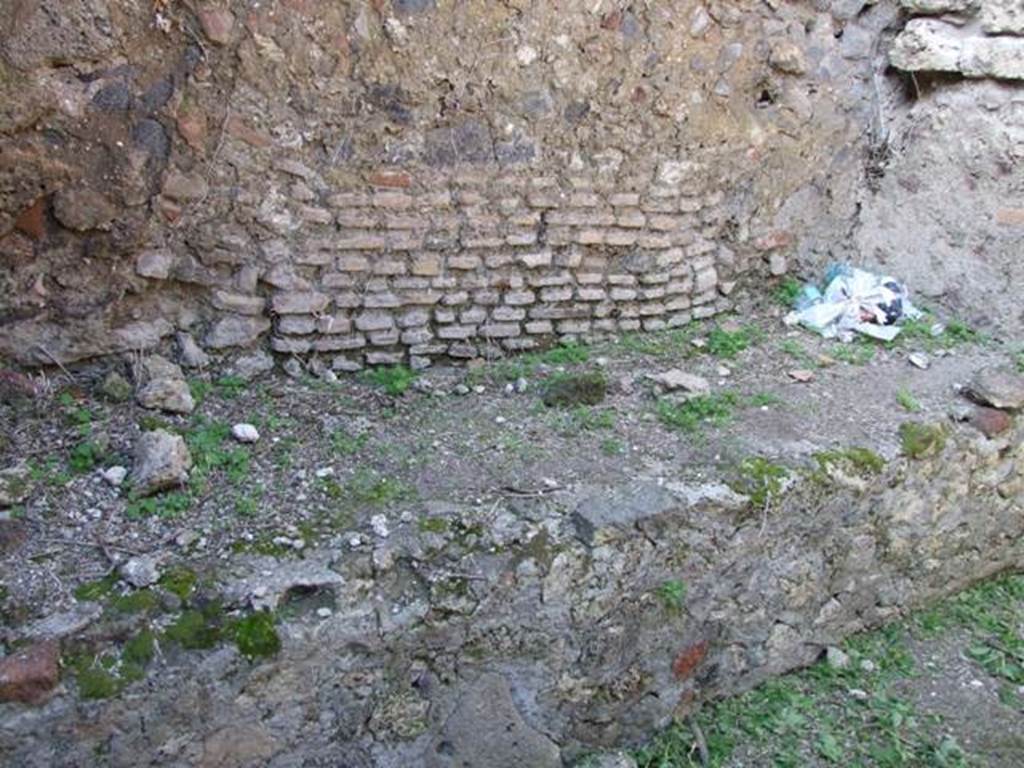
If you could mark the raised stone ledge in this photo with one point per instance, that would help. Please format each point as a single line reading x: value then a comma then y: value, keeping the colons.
x: 931, y: 45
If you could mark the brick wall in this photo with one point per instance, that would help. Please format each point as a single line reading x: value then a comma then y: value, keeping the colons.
x: 375, y: 182
x: 486, y: 263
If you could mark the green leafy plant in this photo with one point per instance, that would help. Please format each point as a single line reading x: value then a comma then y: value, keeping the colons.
x: 367, y: 488
x: 86, y: 456
x: 692, y: 414
x: 760, y: 480
x: 728, y: 344
x: 345, y: 444
x: 169, y: 505
x: 860, y: 351
x: 907, y: 401
x: 672, y: 594
x: 922, y: 440
x: 394, y: 380
x: 787, y: 291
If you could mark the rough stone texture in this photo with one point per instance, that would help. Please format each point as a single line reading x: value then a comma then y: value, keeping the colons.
x: 161, y: 461
x: 999, y: 387
x: 314, y: 172
x: 547, y: 632
x: 15, y: 485
x: 486, y: 729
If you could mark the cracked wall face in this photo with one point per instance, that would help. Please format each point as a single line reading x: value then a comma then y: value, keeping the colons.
x: 379, y: 182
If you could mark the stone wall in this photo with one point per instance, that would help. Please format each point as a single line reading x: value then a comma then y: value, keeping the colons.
x: 384, y: 181
x: 540, y: 636
x: 363, y: 182
x: 947, y: 213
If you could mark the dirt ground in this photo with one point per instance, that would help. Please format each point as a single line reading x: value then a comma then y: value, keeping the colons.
x: 337, y: 460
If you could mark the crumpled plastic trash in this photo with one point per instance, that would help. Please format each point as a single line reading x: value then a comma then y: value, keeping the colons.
x: 854, y: 301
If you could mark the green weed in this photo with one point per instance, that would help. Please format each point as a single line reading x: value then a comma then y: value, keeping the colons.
x: 672, y: 595
x: 860, y: 351
x: 798, y: 352
x: 728, y: 344
x: 704, y: 410
x: 345, y: 444
x: 787, y: 291
x: 612, y: 447
x: 922, y: 440
x: 209, y: 443
x: 168, y: 506
x: 863, y: 461
x: 394, y: 380
x: 907, y: 401
x: 367, y: 488
x: 760, y: 480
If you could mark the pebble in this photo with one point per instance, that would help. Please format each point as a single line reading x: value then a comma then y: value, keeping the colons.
x: 919, y: 360
x: 245, y: 433
x: 141, y: 571
x: 324, y: 613
x: 858, y: 694
x: 867, y: 665
x: 837, y: 659
x: 260, y: 591
x: 675, y: 379
x: 324, y: 472
x: 723, y: 371
x: 500, y: 419
x: 461, y: 389
x: 998, y: 387
x: 803, y: 376
x: 355, y: 540
x: 114, y: 476
x: 479, y: 389
x: 379, y: 524
x: 522, y: 385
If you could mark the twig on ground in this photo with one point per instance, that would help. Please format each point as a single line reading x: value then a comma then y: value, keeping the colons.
x: 55, y: 361
x: 699, y: 741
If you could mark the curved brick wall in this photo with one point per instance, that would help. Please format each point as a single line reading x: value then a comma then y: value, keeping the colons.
x: 398, y: 180
x: 490, y: 262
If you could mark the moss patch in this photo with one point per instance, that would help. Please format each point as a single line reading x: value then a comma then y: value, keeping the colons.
x: 95, y: 591
x: 571, y: 389
x: 179, y: 581
x: 256, y: 637
x: 198, y: 628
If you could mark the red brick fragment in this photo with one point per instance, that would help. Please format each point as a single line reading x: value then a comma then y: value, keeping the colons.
x: 612, y: 20
x: 29, y: 675
x: 780, y: 238
x: 990, y: 421
x: 391, y: 179
x: 32, y: 220
x: 688, y: 659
